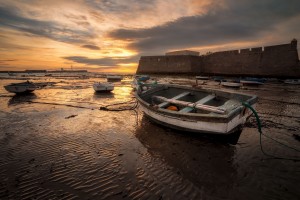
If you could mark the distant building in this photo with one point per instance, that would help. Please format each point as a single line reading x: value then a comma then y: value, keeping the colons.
x: 183, y: 53
x: 68, y: 71
x: 35, y: 71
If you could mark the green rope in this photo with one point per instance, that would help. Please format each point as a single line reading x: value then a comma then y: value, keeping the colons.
x: 261, y: 133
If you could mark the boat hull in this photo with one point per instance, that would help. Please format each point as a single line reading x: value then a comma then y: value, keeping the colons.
x: 103, y: 88
x: 19, y: 89
x: 292, y: 81
x: 205, y: 111
x: 198, y: 126
x: 231, y: 84
x: 114, y: 78
x: 245, y: 82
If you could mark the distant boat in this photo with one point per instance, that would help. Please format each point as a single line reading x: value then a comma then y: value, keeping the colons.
x: 113, y: 78
x: 83, y: 76
x: 143, y: 85
x: 245, y: 82
x: 202, y: 78
x: 103, y: 87
x: 135, y: 84
x: 231, y: 84
x: 292, y: 81
x: 218, y: 78
x: 18, y: 88
x: 11, y: 74
x: 252, y: 81
x: 196, y: 110
x: 142, y: 77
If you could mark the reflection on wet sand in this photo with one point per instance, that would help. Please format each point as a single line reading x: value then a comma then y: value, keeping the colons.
x: 64, y: 147
x: 207, y: 164
x: 19, y: 99
x: 101, y: 95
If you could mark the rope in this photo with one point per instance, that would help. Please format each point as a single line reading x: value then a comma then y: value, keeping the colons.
x: 127, y: 106
x: 124, y: 108
x: 261, y: 133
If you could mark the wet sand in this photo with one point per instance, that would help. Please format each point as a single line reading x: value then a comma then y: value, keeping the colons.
x: 53, y: 151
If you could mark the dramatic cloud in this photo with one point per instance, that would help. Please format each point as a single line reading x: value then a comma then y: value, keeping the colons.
x: 92, y: 47
x: 104, y: 62
x: 50, y: 32
x: 8, y: 60
x: 237, y: 21
x: 11, y: 18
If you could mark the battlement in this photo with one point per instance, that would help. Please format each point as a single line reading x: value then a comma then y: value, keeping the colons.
x: 277, y: 61
x: 290, y: 47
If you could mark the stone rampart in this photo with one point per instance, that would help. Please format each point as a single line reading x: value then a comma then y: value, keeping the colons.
x: 168, y: 64
x: 270, y: 61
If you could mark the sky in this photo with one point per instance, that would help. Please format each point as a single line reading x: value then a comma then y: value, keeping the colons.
x: 110, y: 36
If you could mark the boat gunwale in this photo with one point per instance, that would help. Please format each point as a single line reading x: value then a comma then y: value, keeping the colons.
x: 21, y: 84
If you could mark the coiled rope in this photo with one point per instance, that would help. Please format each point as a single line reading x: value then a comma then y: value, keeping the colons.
x: 261, y: 133
x: 128, y: 105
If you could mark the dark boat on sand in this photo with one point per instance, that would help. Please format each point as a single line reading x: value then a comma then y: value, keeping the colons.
x: 19, y: 88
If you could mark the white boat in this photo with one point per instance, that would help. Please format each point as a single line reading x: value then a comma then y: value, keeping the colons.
x: 231, y: 84
x: 292, y: 81
x: 134, y: 84
x: 252, y: 81
x: 145, y: 85
x: 202, y: 78
x: 18, y: 88
x: 113, y: 78
x: 103, y: 87
x: 196, y: 110
x: 249, y: 82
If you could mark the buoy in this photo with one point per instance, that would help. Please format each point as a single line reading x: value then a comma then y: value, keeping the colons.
x: 173, y: 108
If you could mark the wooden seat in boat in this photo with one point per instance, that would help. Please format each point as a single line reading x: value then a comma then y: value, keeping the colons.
x: 201, y: 101
x: 164, y: 104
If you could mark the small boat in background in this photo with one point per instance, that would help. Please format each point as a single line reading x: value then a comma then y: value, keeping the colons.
x: 134, y: 84
x: 245, y: 82
x: 202, y: 78
x: 19, y: 88
x: 142, y: 77
x: 114, y: 78
x: 292, y: 81
x: 252, y: 81
x: 143, y: 85
x: 231, y: 84
x: 103, y: 87
x: 218, y: 78
x: 207, y: 111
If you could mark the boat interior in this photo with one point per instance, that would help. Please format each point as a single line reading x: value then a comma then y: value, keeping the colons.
x: 212, y: 98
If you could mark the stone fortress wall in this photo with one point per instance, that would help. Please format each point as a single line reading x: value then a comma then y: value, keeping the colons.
x: 270, y: 61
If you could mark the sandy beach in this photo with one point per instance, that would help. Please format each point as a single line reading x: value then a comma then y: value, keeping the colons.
x: 57, y: 144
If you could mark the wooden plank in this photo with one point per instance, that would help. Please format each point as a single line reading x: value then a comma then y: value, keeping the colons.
x: 201, y: 101
x: 190, y: 104
x: 176, y: 97
x: 230, y: 104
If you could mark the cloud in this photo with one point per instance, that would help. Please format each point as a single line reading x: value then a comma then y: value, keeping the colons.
x: 92, y: 47
x: 8, y: 60
x: 116, y: 6
x: 10, y: 17
x: 234, y: 22
x: 104, y: 62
